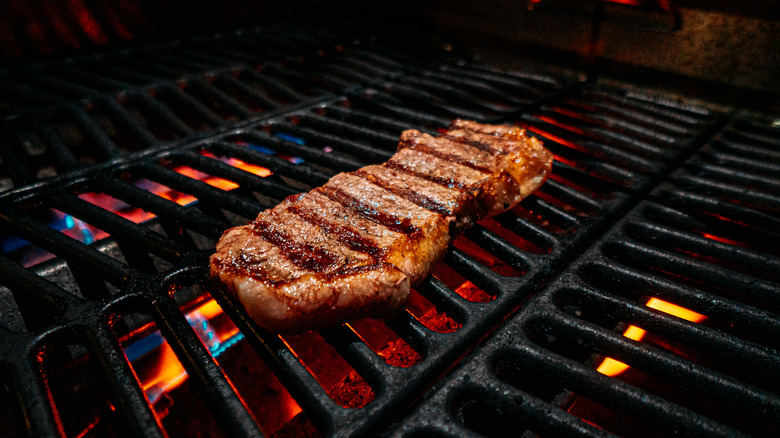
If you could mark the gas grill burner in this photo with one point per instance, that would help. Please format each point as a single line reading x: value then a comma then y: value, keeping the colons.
x: 637, y: 292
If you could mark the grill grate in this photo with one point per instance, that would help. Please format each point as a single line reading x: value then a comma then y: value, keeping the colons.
x: 145, y: 216
x: 688, y: 244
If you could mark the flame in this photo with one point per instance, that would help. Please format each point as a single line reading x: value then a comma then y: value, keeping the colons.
x: 235, y: 162
x: 138, y: 216
x: 167, y: 373
x: 612, y: 367
x: 213, y: 181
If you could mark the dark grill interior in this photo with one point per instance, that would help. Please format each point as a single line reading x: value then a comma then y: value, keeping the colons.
x: 120, y: 171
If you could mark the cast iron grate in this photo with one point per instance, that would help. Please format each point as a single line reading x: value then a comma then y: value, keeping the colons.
x: 706, y: 240
x: 65, y: 116
x: 94, y: 254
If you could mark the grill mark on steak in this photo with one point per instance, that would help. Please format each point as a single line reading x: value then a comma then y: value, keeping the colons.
x: 342, y: 233
x: 478, y: 144
x: 443, y: 155
x: 305, y: 256
x: 417, y: 198
x: 240, y: 266
x: 447, y: 182
x: 401, y: 225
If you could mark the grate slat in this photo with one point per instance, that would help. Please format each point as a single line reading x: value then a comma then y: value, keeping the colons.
x: 231, y: 411
x: 71, y: 250
x: 135, y: 414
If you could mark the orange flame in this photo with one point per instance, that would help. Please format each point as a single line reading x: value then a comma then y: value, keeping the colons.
x: 137, y: 215
x: 168, y: 373
x: 612, y: 367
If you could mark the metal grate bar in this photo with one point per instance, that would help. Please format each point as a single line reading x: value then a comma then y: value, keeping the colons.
x: 165, y: 209
x: 13, y: 165
x: 427, y: 100
x: 275, y: 85
x: 191, y: 104
x: 301, y: 384
x: 201, y: 190
x: 456, y: 93
x: 60, y: 87
x: 161, y: 112
x: 246, y: 179
x: 657, y: 322
x: 764, y: 292
x: 33, y: 399
x: 107, y: 67
x: 618, y: 277
x: 359, y: 356
x: 93, y: 131
x: 54, y: 143
x: 71, y: 250
x: 261, y: 98
x: 583, y: 380
x: 341, y: 143
x: 353, y: 130
x: 221, y: 98
x: 387, y: 124
x: 440, y: 295
x: 375, y: 99
x: 666, y: 365
x: 82, y: 75
x: 544, y: 208
x: 741, y: 259
x: 277, y: 165
x: 134, y: 412
x: 118, y: 226
x: 135, y: 126
x: 48, y: 295
x: 335, y: 160
x: 230, y: 410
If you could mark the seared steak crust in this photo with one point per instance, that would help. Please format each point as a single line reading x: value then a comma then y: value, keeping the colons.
x: 353, y: 247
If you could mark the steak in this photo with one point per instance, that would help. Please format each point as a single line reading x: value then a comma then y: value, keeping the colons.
x: 354, y: 247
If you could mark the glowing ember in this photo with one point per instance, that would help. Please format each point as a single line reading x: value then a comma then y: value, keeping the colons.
x: 554, y: 122
x: 675, y: 310
x: 558, y: 139
x: 235, y: 162
x: 137, y: 215
x: 213, y: 181
x: 612, y: 367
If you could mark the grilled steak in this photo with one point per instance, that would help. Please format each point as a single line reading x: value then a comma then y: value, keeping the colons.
x: 353, y: 247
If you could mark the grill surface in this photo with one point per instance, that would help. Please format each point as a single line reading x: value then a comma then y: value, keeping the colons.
x: 688, y: 243
x: 305, y: 105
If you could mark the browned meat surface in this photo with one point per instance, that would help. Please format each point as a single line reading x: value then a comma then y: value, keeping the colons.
x: 353, y: 247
